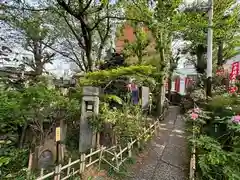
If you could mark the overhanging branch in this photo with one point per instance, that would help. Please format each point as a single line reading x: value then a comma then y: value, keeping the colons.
x: 74, y: 32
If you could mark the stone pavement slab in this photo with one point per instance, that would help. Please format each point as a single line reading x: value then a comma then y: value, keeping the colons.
x: 167, y: 156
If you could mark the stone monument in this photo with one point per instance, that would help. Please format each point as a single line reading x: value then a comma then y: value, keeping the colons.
x: 90, y: 108
x: 145, y: 98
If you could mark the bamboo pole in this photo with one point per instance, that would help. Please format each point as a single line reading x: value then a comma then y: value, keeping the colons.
x: 57, y: 175
x: 69, y: 166
x: 129, y: 150
x: 90, y: 158
x: 82, y: 163
x: 117, y: 163
x: 100, y: 157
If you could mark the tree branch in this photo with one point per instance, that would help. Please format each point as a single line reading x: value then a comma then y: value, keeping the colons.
x: 87, y: 6
x: 74, y: 33
x: 4, y: 6
x: 63, y: 4
x: 118, y: 18
x: 78, y: 61
x: 61, y: 53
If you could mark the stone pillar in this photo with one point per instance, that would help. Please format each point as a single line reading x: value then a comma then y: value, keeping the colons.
x: 145, y: 98
x: 90, y: 107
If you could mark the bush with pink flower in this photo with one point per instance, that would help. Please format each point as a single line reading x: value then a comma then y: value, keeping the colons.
x: 236, y: 119
x: 217, y: 137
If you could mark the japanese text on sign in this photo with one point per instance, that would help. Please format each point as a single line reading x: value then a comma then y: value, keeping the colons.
x: 58, y: 134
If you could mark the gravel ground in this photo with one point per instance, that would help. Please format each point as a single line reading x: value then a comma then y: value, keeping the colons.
x: 167, y: 155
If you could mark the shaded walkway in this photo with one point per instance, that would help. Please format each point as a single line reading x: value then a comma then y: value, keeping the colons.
x: 166, y: 157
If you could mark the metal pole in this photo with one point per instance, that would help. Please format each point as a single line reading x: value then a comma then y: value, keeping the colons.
x: 209, y: 49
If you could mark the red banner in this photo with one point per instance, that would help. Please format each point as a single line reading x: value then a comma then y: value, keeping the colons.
x: 177, y: 84
x: 233, y: 76
x: 235, y: 71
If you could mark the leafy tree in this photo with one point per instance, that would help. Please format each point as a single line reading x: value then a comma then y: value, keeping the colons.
x: 87, y: 21
x: 35, y: 33
x: 36, y: 110
x: 139, y: 45
x: 160, y: 19
x: 116, y: 60
x: 226, y: 25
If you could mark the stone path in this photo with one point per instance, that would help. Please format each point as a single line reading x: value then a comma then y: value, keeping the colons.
x: 167, y: 156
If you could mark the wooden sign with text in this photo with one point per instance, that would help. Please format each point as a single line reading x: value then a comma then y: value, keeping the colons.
x: 58, y: 134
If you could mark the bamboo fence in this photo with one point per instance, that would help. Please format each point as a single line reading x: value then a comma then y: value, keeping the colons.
x: 117, y: 153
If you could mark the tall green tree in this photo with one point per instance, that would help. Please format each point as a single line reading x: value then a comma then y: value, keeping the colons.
x: 160, y: 18
x: 141, y: 41
x: 32, y: 32
x: 194, y: 26
x: 87, y: 20
x: 29, y: 111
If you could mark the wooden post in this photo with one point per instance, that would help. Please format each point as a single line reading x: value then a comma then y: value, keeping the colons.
x: 98, y: 140
x: 120, y: 152
x: 69, y: 168
x: 73, y: 170
x: 129, y: 150
x: 138, y: 143
x: 42, y: 172
x: 100, y: 158
x: 116, y: 158
x: 159, y: 125
x: 82, y: 163
x: 30, y: 163
x: 58, y: 139
x: 155, y: 129
x: 57, y: 175
x: 90, y: 158
x: 62, y: 153
x: 94, y: 140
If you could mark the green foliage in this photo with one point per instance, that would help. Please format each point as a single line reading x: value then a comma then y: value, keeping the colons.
x: 12, y: 160
x: 220, y: 102
x: 35, y: 35
x: 216, y: 163
x: 104, y: 76
x: 216, y: 137
x: 110, y: 97
x: 193, y: 28
x: 128, y: 122
x: 138, y: 47
x: 29, y: 109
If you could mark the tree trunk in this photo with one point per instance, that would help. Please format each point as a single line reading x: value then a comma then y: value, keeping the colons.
x: 169, y: 86
x: 99, y: 55
x: 159, y: 103
x: 201, y: 62
x: 37, y: 51
x: 220, y: 54
x: 160, y: 79
x: 90, y: 63
x: 22, y: 136
x: 39, y: 68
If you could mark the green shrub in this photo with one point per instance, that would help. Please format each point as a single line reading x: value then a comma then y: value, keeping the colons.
x: 217, y: 139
